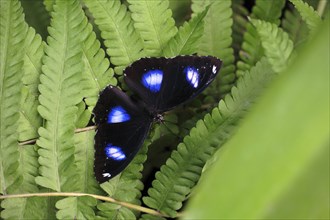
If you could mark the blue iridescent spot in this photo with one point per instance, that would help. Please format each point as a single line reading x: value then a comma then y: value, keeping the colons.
x: 114, y: 152
x: 152, y: 80
x: 118, y: 114
x: 192, y: 76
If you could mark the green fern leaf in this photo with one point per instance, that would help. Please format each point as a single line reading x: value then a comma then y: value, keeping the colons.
x: 186, y: 41
x: 183, y: 169
x: 12, y: 34
x: 268, y: 10
x: 217, y: 41
x: 30, y: 119
x: 59, y: 94
x: 97, y: 73
x: 114, y: 211
x: 76, y: 208
x: 239, y: 25
x: 308, y: 14
x: 29, y: 168
x: 121, y: 39
x: 252, y: 49
x: 276, y: 43
x: 49, y: 4
x: 24, y: 208
x: 84, y: 154
x: 153, y: 20
x: 295, y: 27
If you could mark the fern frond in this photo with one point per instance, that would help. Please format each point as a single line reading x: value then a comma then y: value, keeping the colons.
x: 49, y: 4
x: 114, y: 211
x: 183, y: 169
x: 76, y: 208
x: 239, y: 25
x: 125, y: 187
x: 295, y: 27
x: 97, y: 73
x: 252, y: 50
x: 30, y: 119
x: 186, y: 41
x: 276, y: 43
x: 24, y: 208
x: 153, y: 20
x: 12, y: 34
x: 268, y: 10
x: 59, y: 94
x: 84, y: 155
x: 123, y: 43
x: 308, y: 14
x: 217, y: 41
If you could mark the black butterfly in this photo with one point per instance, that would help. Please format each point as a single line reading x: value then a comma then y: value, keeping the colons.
x: 123, y: 122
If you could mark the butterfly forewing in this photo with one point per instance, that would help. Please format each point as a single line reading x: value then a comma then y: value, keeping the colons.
x: 122, y: 126
x: 165, y: 83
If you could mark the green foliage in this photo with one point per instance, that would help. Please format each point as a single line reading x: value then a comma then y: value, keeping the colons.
x: 295, y: 27
x: 153, y: 20
x: 308, y: 14
x: 49, y: 89
x: 276, y: 44
x: 284, y: 166
x: 76, y: 208
x: 121, y: 39
x: 13, y: 31
x: 251, y: 50
x: 59, y: 94
x: 186, y: 41
x: 30, y: 119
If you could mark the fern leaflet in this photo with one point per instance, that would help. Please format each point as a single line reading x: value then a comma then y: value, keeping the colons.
x: 97, y: 73
x: 186, y: 41
x: 59, y: 95
x: 76, y: 208
x: 12, y: 33
x: 252, y: 49
x: 84, y: 154
x: 153, y: 20
x: 276, y: 43
x: 308, y: 14
x: 123, y: 43
x: 295, y: 27
x: 30, y: 119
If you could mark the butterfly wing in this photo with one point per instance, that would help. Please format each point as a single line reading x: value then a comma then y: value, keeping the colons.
x: 122, y: 126
x: 163, y: 83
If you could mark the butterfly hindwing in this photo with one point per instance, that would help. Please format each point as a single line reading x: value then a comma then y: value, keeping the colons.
x: 122, y: 126
x: 163, y: 83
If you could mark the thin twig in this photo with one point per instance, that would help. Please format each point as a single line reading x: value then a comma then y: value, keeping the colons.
x: 104, y: 198
x: 78, y: 130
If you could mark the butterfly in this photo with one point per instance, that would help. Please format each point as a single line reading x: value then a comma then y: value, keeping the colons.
x: 123, y: 122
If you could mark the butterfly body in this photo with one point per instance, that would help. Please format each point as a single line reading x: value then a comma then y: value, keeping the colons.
x: 160, y: 85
